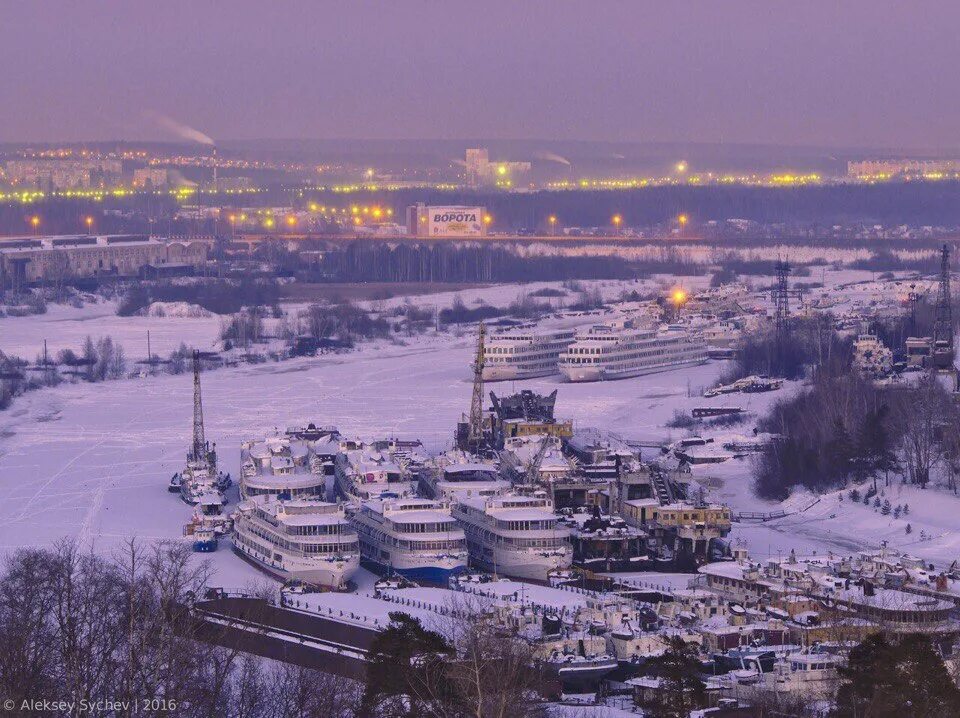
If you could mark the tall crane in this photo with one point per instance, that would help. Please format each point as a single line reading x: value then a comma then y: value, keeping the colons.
x: 533, y: 468
x: 475, y: 429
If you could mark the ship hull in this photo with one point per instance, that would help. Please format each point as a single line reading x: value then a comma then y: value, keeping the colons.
x: 584, y: 374
x: 333, y: 577
x: 512, y: 373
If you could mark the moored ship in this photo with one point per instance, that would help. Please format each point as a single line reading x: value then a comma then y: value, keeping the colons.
x: 308, y: 541
x: 618, y: 350
x: 415, y: 538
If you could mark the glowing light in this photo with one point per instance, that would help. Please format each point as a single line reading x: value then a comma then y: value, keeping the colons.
x: 552, y: 219
x: 292, y: 221
x: 617, y: 220
x: 487, y: 219
x: 268, y: 222
x: 88, y: 221
x: 679, y: 296
x: 682, y: 220
x: 377, y: 212
x: 34, y: 221
x: 501, y: 170
x: 313, y: 207
x: 681, y: 166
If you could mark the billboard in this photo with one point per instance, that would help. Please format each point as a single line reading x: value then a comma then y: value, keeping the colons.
x: 455, y: 222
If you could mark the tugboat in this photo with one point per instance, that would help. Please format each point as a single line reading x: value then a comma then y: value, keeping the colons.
x: 205, y: 540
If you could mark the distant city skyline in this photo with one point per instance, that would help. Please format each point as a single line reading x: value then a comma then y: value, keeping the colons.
x: 861, y: 74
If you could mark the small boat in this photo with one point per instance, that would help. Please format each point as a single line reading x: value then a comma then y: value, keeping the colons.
x: 205, y: 540
x: 176, y: 481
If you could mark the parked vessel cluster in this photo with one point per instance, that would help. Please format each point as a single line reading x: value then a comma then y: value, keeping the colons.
x: 521, y: 494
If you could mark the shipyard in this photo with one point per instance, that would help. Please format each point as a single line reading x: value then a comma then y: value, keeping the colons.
x: 593, y: 360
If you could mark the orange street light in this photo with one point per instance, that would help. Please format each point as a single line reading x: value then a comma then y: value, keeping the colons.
x: 487, y: 219
x: 617, y: 220
x: 35, y: 222
x: 88, y: 220
x: 682, y: 220
x: 679, y: 296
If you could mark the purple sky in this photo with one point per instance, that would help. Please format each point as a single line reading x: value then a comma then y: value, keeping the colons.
x: 852, y: 73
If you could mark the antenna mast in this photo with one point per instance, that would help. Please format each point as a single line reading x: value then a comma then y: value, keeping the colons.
x: 475, y: 436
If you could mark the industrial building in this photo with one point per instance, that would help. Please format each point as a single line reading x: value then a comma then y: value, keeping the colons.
x: 33, y: 260
x: 481, y: 172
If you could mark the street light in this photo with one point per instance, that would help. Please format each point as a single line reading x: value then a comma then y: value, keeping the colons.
x: 553, y: 223
x: 88, y: 220
x: 617, y: 221
x: 682, y: 220
x: 35, y: 222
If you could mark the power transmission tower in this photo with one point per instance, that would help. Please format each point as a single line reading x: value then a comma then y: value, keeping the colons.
x: 199, y: 450
x: 781, y: 300
x: 943, y: 354
x: 475, y: 435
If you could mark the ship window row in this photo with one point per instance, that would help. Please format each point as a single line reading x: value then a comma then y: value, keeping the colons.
x: 527, y: 525
x: 385, y: 539
x: 425, y: 528
x: 253, y: 545
x: 490, y: 538
x: 305, y: 491
x: 281, y: 542
x: 334, y: 548
x: 321, y: 530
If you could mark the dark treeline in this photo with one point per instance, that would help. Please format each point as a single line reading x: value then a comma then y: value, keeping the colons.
x: 913, y: 203
x: 372, y: 261
x: 933, y: 203
x: 811, y: 342
x: 220, y: 296
x: 843, y: 428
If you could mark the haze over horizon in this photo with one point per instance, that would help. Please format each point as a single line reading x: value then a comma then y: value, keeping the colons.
x: 864, y: 74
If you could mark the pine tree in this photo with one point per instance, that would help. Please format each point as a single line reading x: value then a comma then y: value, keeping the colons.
x: 896, y: 677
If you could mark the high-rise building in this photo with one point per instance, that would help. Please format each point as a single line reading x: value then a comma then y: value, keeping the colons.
x: 478, y: 166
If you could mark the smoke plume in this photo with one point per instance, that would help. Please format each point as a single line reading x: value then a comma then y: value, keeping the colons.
x: 181, y: 130
x: 553, y: 157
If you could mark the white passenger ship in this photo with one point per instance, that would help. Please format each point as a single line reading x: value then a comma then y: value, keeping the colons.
x: 383, y: 470
x: 516, y: 536
x: 524, y: 352
x: 310, y: 541
x: 618, y: 350
x: 457, y: 473
x: 280, y: 466
x: 415, y: 538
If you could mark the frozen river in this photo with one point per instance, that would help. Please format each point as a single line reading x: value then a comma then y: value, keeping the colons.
x: 92, y: 461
